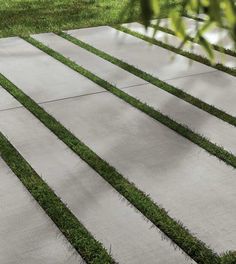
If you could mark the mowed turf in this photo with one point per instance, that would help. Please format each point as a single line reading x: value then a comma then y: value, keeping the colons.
x: 21, y: 17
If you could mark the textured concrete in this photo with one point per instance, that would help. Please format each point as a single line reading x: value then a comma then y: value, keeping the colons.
x: 151, y: 58
x: 18, y: 58
x: 6, y: 100
x: 91, y: 62
x: 200, y: 121
x: 216, y: 35
x: 98, y: 206
x: 216, y: 88
x: 194, y: 187
x: 27, y: 234
x: 194, y: 48
x: 216, y: 130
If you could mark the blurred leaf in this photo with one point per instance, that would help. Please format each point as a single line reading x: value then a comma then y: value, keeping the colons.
x: 219, y: 12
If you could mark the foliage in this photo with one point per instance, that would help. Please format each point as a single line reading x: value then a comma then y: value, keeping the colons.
x: 221, y: 13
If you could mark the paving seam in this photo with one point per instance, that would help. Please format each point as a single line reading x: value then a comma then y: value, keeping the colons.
x: 186, y: 76
x: 71, y: 97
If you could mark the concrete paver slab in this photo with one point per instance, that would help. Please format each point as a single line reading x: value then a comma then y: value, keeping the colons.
x: 198, y: 120
x: 27, y: 234
x: 216, y: 35
x: 194, y: 48
x: 19, y: 58
x: 153, y: 59
x: 193, y: 186
x: 216, y: 88
x: 96, y: 204
x: 216, y: 130
x: 6, y: 101
x: 95, y: 64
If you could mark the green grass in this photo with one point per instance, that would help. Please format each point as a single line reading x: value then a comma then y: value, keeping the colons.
x: 229, y: 258
x: 155, y: 81
x: 157, y: 215
x: 91, y: 250
x: 22, y: 17
x: 192, y: 56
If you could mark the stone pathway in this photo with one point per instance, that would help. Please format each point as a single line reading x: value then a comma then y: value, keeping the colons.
x: 88, y: 196
x: 198, y: 120
x: 27, y: 234
x: 194, y: 187
x: 198, y: 80
x: 227, y: 60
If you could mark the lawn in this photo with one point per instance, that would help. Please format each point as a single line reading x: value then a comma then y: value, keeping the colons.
x: 31, y: 16
x: 22, y: 17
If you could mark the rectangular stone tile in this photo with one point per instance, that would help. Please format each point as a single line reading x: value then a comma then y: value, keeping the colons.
x: 216, y: 88
x: 89, y: 61
x: 193, y: 186
x: 21, y: 62
x: 216, y: 130
x: 111, y: 220
x: 27, y: 234
x: 216, y: 35
x: 198, y: 120
x: 151, y: 58
x: 191, y: 47
x: 7, y: 101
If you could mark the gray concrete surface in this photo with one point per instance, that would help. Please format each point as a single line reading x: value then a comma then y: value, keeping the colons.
x: 6, y: 100
x: 169, y: 39
x: 138, y: 52
x: 95, y: 64
x: 27, y: 234
x: 216, y: 130
x: 198, y: 120
x: 193, y: 186
x: 18, y: 58
x: 216, y: 88
x: 114, y: 222
x: 216, y: 35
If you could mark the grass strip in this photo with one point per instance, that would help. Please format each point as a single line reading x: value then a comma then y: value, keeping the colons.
x: 196, y: 249
x: 216, y: 47
x: 91, y: 250
x: 155, y: 81
x: 192, y: 56
x: 228, y: 258
x: 183, y: 130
